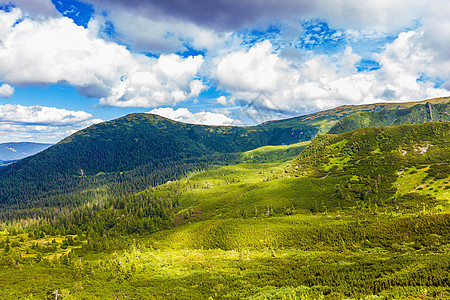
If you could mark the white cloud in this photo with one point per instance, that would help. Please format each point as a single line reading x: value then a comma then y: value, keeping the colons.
x: 222, y: 100
x: 56, y: 50
x: 36, y: 133
x: 168, y: 80
x: 39, y: 123
x: 436, y: 27
x: 255, y: 70
x: 41, y: 115
x: 6, y: 90
x: 325, y: 81
x: 158, y: 35
x: 185, y: 116
x: 7, y: 20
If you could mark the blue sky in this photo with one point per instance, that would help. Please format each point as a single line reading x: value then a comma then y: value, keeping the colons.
x: 66, y: 64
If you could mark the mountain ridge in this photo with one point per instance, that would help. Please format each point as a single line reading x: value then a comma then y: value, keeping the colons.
x: 362, y: 214
x: 136, y: 151
x: 416, y: 114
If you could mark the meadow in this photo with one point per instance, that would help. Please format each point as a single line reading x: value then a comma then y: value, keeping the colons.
x: 334, y: 222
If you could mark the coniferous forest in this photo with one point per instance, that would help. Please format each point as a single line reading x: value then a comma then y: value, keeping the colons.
x: 350, y: 203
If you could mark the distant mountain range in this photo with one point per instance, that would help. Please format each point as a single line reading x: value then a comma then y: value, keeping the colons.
x: 18, y: 150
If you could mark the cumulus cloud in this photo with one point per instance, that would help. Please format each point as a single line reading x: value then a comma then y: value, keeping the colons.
x: 264, y: 78
x: 432, y: 39
x: 41, y: 115
x: 36, y: 133
x: 185, y: 116
x: 421, y: 52
x: 222, y: 100
x: 436, y: 29
x: 56, y: 50
x: 6, y: 90
x: 40, y: 123
x: 255, y: 70
x: 169, y: 80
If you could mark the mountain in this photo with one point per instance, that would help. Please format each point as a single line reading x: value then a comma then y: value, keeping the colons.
x: 137, y: 151
x: 134, y: 152
x: 357, y: 215
x: 19, y: 150
x: 417, y: 114
x: 393, y: 167
x: 382, y: 163
x: 130, y: 154
x: 399, y: 168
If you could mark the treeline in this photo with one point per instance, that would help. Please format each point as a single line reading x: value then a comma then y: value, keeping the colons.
x: 70, y: 192
x: 128, y: 155
x: 103, y: 226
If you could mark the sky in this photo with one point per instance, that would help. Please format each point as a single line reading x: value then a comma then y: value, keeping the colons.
x: 68, y: 64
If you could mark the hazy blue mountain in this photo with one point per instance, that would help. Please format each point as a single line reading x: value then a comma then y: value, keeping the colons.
x: 18, y: 150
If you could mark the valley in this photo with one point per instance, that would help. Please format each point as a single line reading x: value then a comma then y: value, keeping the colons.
x: 281, y: 210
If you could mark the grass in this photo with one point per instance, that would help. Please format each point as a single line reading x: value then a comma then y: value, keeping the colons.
x: 291, y: 257
x: 416, y: 180
x: 48, y: 247
x: 368, y: 223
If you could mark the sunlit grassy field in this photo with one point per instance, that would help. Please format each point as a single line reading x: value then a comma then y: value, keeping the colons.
x: 263, y: 229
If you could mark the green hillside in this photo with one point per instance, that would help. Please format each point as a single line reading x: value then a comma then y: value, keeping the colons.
x: 137, y: 151
x: 359, y: 215
x: 417, y: 114
x: 364, y: 169
x: 130, y: 154
x: 355, y: 215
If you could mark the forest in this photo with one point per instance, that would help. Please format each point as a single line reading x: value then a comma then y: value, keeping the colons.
x: 234, y: 213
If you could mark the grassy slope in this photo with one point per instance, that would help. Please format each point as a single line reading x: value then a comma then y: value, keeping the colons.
x: 393, y: 246
x: 334, y: 174
x: 369, y: 167
x: 336, y: 228
x: 438, y: 110
x: 368, y: 231
x: 139, y: 144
